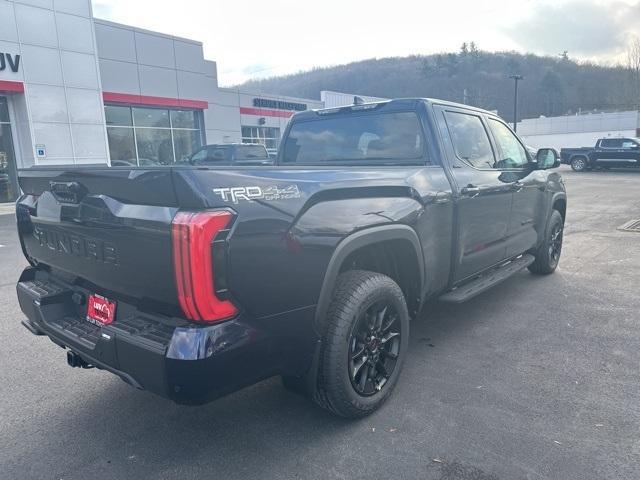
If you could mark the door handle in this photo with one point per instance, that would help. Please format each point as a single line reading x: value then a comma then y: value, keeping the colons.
x: 517, y: 186
x: 470, y: 190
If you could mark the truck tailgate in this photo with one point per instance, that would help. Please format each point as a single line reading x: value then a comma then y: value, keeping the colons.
x: 108, y: 229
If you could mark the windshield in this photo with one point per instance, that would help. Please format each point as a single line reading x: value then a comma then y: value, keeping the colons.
x: 356, y: 138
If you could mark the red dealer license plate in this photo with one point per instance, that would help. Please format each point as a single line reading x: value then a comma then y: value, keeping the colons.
x: 100, y: 310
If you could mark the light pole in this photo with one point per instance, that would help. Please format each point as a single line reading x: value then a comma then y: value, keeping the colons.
x: 515, y: 100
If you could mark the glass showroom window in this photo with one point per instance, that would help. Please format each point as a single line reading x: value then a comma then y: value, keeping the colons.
x: 151, y: 136
x: 267, y: 136
x: 8, y: 182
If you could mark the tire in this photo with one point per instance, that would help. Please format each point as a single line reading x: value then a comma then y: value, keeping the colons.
x: 579, y: 164
x: 363, y: 302
x: 548, y: 254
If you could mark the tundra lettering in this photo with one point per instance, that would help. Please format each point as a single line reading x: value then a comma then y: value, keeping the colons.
x: 91, y: 249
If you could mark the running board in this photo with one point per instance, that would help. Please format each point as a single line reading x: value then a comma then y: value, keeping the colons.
x: 475, y: 287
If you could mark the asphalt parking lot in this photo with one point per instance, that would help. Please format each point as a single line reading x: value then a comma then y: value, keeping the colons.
x: 537, y: 378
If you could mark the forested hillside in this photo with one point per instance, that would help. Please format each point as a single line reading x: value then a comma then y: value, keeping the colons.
x: 551, y: 86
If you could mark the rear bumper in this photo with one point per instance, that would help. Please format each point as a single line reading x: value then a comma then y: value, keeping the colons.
x: 187, y: 363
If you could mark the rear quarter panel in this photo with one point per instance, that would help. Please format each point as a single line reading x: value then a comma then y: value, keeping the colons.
x: 281, y: 244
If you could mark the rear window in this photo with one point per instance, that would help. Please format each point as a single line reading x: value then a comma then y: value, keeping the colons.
x: 212, y: 155
x: 357, y: 139
x: 251, y: 152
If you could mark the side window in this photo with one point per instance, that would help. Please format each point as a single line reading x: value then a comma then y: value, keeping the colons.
x: 470, y: 139
x: 611, y: 143
x: 628, y: 144
x: 513, y: 154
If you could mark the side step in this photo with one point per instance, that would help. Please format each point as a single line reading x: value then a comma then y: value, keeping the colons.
x: 485, y: 282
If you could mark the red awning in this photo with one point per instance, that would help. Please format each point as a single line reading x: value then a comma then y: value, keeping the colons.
x: 7, y: 86
x: 132, y: 99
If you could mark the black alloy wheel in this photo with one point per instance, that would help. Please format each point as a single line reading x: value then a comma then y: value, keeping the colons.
x: 374, y: 348
x: 548, y: 254
x: 555, y: 243
x: 364, y: 345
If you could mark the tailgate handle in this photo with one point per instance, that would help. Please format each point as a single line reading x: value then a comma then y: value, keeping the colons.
x: 67, y: 192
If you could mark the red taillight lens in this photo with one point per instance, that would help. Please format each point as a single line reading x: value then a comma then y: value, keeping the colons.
x: 193, y: 235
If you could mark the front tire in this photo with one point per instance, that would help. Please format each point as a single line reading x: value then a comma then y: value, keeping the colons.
x: 578, y: 164
x: 548, y: 254
x: 365, y: 344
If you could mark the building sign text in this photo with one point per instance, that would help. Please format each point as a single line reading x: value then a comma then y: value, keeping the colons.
x: 278, y: 104
x: 12, y: 61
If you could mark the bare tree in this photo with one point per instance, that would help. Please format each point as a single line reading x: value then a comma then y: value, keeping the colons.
x: 633, y: 67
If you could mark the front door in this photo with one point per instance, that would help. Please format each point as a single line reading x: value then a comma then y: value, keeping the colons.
x: 526, y: 183
x: 8, y: 178
x: 484, y: 195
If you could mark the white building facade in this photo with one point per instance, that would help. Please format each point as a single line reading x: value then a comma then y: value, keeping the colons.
x: 75, y: 90
x: 578, y: 130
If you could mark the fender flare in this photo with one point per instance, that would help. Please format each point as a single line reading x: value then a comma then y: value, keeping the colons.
x: 353, y: 242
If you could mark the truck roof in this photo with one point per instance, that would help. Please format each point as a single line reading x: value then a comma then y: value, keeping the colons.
x: 387, y: 105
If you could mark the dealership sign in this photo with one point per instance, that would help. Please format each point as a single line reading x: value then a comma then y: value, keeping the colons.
x: 11, y: 61
x: 278, y: 105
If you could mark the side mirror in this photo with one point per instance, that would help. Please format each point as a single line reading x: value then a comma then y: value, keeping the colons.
x: 547, y: 158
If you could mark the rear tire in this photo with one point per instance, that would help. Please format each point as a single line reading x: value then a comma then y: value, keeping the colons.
x: 364, y: 346
x: 578, y: 164
x: 548, y: 254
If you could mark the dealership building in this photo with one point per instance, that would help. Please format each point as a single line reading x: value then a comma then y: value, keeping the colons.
x: 76, y: 90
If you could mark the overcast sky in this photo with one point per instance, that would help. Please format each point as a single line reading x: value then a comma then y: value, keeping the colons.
x: 252, y: 39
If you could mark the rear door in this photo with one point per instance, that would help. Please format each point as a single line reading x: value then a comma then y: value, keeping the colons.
x: 484, y: 193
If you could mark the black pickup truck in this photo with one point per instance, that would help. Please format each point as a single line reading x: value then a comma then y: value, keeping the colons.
x: 192, y: 281
x: 608, y: 153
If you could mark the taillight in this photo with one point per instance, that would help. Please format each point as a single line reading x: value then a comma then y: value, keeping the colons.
x: 198, y: 239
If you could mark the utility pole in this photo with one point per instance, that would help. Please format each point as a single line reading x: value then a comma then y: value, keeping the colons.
x: 515, y: 100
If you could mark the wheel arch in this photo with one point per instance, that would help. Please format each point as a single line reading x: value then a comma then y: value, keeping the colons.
x: 559, y: 203
x: 362, y: 239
